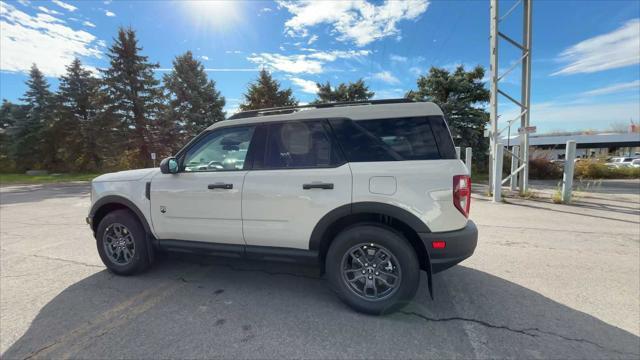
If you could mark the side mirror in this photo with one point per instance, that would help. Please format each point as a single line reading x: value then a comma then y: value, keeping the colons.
x: 169, y: 165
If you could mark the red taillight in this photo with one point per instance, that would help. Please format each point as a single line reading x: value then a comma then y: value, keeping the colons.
x: 462, y: 193
x: 438, y: 244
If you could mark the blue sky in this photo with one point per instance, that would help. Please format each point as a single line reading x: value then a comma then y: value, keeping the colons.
x: 586, y: 54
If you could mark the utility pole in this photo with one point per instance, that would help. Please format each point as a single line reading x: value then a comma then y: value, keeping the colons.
x: 493, y: 99
x: 525, y: 109
x: 522, y: 159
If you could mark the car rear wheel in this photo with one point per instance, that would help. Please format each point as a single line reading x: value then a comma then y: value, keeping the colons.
x: 122, y: 244
x: 373, y: 268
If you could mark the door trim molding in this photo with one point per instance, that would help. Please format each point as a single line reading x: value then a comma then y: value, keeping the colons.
x: 265, y: 253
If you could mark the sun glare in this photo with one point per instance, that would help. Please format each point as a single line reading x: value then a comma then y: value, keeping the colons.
x: 215, y: 14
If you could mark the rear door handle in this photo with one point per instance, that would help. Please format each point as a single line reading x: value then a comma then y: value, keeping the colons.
x: 324, y: 186
x: 220, y: 186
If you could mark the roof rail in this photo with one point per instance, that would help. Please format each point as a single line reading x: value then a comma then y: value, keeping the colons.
x: 291, y: 109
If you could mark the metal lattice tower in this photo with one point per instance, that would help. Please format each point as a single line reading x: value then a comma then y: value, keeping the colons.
x: 521, y: 159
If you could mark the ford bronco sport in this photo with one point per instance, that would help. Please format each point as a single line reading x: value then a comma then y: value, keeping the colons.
x: 372, y: 192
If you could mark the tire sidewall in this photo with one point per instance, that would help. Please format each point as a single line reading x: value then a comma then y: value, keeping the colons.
x: 394, y: 242
x: 140, y: 257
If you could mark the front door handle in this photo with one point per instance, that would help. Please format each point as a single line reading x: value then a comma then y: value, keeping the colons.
x: 220, y: 186
x: 324, y: 186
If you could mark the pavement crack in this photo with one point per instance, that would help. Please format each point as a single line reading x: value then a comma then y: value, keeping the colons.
x: 35, y: 353
x: 480, y: 322
x: 527, y: 331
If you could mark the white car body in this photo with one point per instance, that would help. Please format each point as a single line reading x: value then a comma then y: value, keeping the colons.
x: 303, y: 183
x: 248, y: 215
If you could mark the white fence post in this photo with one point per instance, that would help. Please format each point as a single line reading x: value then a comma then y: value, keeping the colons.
x: 497, y: 173
x: 467, y: 158
x: 569, y: 166
x: 513, y: 181
x: 458, y: 152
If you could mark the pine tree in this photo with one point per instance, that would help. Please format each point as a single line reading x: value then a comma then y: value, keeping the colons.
x: 353, y: 91
x: 135, y: 99
x: 461, y: 96
x: 31, y: 149
x: 80, y: 102
x: 194, y: 102
x: 266, y: 93
x: 10, y: 114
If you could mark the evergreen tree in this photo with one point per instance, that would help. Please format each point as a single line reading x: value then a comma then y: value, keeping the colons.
x: 80, y: 101
x: 135, y: 99
x: 266, y: 93
x: 461, y: 95
x: 353, y: 91
x: 31, y: 148
x: 10, y: 114
x: 194, y: 102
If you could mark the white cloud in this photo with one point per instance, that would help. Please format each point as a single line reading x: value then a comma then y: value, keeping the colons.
x: 398, y: 58
x: 356, y: 21
x: 615, y: 88
x: 387, y: 77
x: 216, y: 69
x: 389, y: 93
x: 40, y: 39
x: 561, y: 115
x: 311, y: 63
x: 49, y: 11
x: 618, y: 48
x: 89, y: 24
x: 312, y: 39
x: 204, y: 57
x: 233, y: 52
x: 416, y: 70
x: 109, y: 13
x: 266, y: 9
x: 306, y: 86
x: 287, y: 63
x: 64, y: 5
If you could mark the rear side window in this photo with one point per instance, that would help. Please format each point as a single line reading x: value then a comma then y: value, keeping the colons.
x: 300, y: 144
x: 416, y: 138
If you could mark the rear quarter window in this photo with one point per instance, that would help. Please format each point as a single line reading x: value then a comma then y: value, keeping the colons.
x: 414, y: 138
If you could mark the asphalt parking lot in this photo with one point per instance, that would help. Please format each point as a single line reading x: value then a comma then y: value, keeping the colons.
x: 546, y: 281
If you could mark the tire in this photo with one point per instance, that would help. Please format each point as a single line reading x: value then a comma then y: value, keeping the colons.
x: 133, y: 238
x: 402, y: 262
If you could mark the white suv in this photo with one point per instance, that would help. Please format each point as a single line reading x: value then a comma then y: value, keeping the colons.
x: 372, y: 192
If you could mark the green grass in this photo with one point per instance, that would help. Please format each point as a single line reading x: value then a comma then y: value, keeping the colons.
x: 479, y: 178
x: 10, y: 179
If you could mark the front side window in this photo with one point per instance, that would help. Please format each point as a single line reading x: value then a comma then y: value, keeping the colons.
x: 220, y: 150
x: 300, y: 144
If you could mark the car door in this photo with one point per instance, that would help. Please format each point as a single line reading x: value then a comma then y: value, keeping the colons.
x: 202, y: 202
x: 302, y: 177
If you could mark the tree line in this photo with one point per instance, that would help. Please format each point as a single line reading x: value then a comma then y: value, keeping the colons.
x: 116, y: 118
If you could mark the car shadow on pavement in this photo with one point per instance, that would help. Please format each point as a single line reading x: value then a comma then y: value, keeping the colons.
x: 193, y: 307
x: 17, y: 194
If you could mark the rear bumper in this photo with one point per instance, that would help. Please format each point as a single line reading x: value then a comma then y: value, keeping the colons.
x: 460, y: 245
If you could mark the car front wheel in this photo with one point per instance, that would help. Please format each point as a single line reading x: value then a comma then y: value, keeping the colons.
x: 122, y: 244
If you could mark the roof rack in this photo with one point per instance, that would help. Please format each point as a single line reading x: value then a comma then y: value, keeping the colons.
x: 291, y: 109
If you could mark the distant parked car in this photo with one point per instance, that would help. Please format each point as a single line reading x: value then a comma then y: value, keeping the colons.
x: 635, y: 163
x: 620, y: 162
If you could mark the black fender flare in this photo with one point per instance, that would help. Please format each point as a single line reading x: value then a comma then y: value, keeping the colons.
x: 364, y: 207
x: 317, y: 235
x: 120, y: 200
x: 116, y: 199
